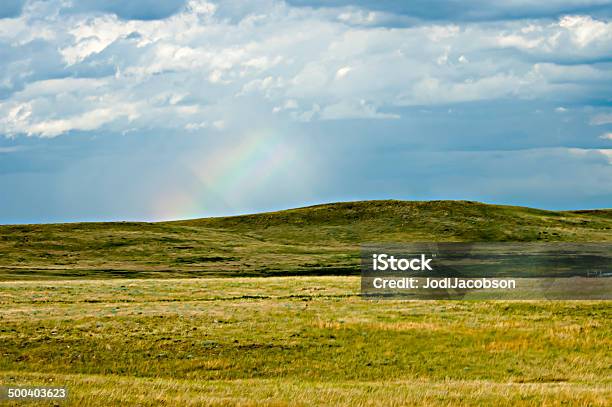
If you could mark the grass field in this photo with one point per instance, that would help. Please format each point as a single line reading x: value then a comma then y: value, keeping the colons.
x: 319, y: 240
x: 72, y: 313
x: 297, y: 340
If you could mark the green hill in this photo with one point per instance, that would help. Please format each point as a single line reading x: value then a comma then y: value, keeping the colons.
x: 321, y: 239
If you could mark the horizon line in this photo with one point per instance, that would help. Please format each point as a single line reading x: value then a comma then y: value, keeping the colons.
x: 263, y: 212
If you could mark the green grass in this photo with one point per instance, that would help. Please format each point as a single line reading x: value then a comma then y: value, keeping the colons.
x: 297, y: 340
x: 73, y: 314
x: 318, y: 240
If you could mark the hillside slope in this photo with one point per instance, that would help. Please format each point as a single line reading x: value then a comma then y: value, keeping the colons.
x: 321, y: 239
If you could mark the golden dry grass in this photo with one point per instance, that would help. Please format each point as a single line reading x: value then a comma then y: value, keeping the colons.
x: 297, y: 341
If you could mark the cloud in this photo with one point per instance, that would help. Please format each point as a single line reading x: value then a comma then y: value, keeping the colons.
x: 342, y: 72
x: 593, y: 154
x: 606, y: 136
x: 237, y: 106
x: 359, y: 109
x: 11, y: 8
x: 573, y: 38
x: 466, y: 10
x: 132, y: 9
x: 90, y: 120
x: 585, y: 30
x: 98, y: 66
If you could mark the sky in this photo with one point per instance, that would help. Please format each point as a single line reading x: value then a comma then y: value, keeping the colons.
x: 173, y: 109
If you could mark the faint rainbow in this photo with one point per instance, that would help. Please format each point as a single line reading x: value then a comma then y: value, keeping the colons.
x: 225, y: 174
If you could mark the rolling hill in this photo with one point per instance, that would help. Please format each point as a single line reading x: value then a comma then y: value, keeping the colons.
x: 316, y: 240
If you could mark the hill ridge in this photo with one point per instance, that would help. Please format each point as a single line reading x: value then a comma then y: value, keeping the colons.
x: 320, y: 239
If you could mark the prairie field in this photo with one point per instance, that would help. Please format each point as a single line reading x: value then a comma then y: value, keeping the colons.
x: 297, y: 341
x: 266, y: 310
x: 317, y: 240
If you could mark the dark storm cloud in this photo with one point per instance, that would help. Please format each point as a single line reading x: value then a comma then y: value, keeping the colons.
x: 11, y: 8
x: 471, y: 10
x: 131, y: 9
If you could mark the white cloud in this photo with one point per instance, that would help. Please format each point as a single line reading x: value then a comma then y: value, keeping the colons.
x: 342, y: 72
x: 89, y: 120
x: 353, y: 110
x: 570, y: 37
x: 289, y: 104
x: 607, y: 153
x: 606, y: 136
x: 519, y: 41
x: 585, y: 30
x: 584, y: 152
x: 93, y: 36
x: 197, y: 66
x: 196, y: 126
x: 358, y: 17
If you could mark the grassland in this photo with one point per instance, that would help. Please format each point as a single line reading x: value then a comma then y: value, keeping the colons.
x: 297, y: 340
x: 110, y: 310
x: 319, y: 240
